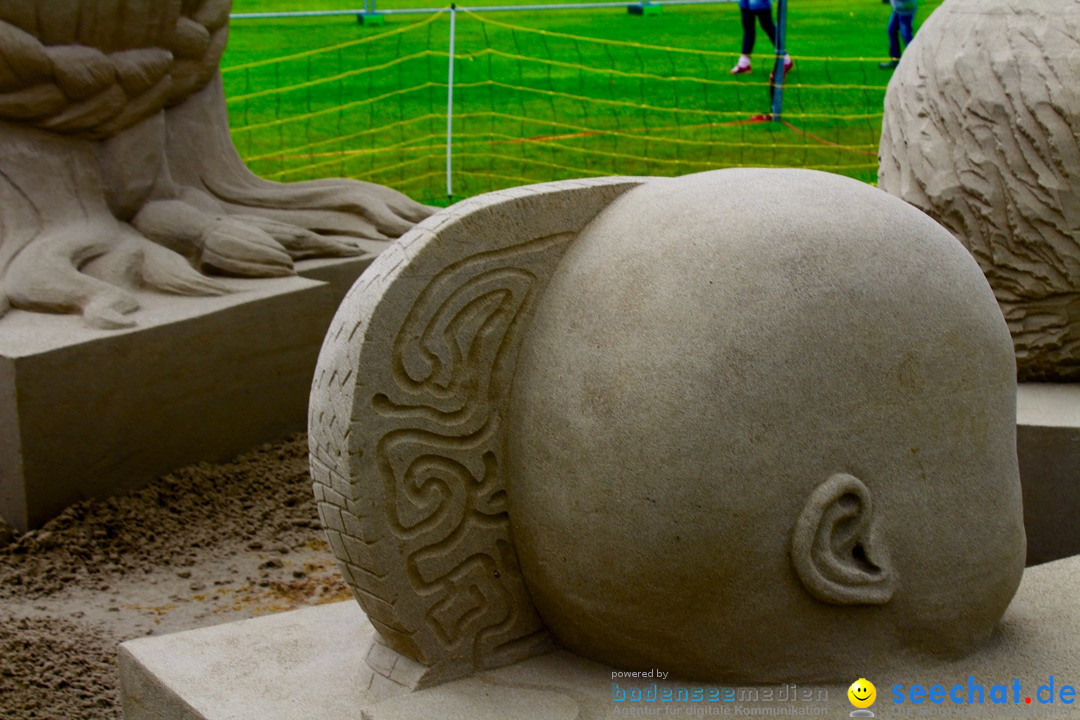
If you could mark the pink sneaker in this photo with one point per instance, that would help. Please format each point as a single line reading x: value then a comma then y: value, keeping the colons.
x: 739, y: 69
x: 788, y: 64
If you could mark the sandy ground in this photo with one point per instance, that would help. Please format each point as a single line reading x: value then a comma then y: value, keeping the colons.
x: 205, y: 545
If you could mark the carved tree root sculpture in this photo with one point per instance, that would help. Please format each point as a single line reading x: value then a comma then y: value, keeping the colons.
x: 61, y: 248
x: 332, y: 207
x: 117, y: 171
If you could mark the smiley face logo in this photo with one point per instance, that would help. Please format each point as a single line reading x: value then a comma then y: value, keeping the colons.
x: 862, y: 693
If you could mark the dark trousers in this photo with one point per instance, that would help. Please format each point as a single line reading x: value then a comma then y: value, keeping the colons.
x: 749, y: 27
x: 899, y: 25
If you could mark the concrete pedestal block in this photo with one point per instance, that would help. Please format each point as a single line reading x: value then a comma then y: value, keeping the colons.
x: 305, y: 663
x: 1048, y: 445
x: 91, y: 413
x: 324, y: 662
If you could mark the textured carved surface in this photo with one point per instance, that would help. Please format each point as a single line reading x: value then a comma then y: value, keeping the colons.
x: 407, y: 417
x: 118, y: 174
x: 982, y: 132
x: 96, y: 68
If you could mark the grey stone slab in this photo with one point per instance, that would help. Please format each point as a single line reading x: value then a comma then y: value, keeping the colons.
x: 1048, y: 447
x: 311, y: 663
x: 307, y: 663
x: 90, y: 413
x: 1048, y: 405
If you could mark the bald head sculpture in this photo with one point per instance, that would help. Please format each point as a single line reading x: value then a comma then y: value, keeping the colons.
x: 982, y: 132
x: 762, y: 428
x: 741, y: 426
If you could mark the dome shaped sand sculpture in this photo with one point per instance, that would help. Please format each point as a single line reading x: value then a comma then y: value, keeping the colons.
x: 742, y: 426
x: 117, y: 171
x: 982, y: 132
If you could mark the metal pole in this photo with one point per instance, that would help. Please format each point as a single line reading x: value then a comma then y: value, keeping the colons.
x: 450, y: 106
x: 778, y: 67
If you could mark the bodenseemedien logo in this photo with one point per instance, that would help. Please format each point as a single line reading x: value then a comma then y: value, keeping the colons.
x: 862, y: 695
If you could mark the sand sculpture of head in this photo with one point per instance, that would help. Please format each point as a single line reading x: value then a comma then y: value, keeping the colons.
x: 982, y: 132
x: 746, y: 425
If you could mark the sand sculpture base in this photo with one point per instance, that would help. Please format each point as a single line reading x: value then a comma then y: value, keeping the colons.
x: 328, y: 659
x: 324, y: 661
x: 91, y: 413
x: 1048, y: 445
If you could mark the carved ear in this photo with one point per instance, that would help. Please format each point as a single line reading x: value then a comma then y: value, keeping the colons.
x: 834, y: 548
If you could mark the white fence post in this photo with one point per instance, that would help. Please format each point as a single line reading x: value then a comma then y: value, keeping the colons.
x: 450, y: 107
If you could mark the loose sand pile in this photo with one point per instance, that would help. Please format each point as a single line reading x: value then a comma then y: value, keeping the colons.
x: 205, y: 545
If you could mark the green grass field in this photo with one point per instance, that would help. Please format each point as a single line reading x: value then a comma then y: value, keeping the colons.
x: 548, y: 95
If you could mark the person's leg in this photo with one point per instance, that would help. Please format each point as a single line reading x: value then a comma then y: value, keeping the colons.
x: 907, y: 31
x: 894, y: 36
x: 749, y: 31
x: 765, y: 18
